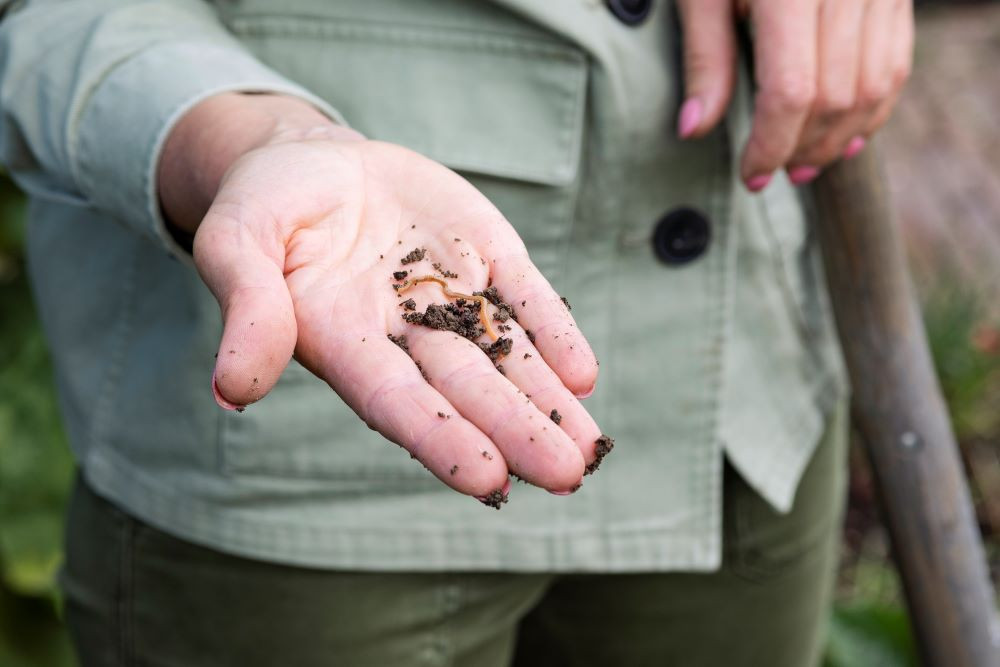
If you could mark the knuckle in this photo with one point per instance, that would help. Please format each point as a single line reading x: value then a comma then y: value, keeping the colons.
x: 872, y: 93
x: 833, y: 103
x: 793, y: 94
x: 900, y: 75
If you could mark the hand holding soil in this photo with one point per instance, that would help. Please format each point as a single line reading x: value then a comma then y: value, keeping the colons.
x: 350, y: 254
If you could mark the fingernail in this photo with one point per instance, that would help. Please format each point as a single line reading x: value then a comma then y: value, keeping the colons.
x: 854, y: 146
x: 586, y: 394
x: 223, y: 403
x: 802, y: 175
x: 496, y: 498
x: 568, y: 492
x: 758, y: 182
x: 689, y: 118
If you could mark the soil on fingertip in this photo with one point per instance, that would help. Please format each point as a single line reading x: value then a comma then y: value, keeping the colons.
x: 604, y: 446
x: 495, y: 499
x: 555, y: 416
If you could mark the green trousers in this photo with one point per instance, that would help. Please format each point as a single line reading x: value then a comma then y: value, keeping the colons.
x: 137, y: 596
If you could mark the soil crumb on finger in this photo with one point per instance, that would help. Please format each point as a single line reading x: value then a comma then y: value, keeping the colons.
x: 604, y: 446
x: 555, y: 416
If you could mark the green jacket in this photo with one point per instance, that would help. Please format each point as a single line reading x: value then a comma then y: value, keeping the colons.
x: 704, y: 304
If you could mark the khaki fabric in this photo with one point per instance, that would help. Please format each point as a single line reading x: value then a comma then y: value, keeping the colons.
x: 564, y: 118
x: 136, y: 596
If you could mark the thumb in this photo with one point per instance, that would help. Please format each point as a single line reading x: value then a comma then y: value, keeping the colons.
x: 259, y: 330
x: 709, y: 36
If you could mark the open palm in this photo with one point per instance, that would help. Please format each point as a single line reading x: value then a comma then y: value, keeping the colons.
x: 301, y: 246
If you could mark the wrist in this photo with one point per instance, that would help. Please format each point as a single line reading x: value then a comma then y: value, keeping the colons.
x: 210, y: 137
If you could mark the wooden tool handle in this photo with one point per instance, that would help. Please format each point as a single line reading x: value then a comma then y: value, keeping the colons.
x: 899, y: 411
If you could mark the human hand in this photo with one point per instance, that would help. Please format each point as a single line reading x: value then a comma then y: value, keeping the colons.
x: 828, y: 74
x: 300, y: 245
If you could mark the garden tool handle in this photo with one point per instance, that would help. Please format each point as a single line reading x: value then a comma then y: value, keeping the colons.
x: 901, y: 416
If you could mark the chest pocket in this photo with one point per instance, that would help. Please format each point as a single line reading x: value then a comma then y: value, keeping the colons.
x: 505, y: 110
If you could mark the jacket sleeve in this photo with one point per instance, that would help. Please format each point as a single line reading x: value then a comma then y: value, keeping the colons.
x: 89, y: 90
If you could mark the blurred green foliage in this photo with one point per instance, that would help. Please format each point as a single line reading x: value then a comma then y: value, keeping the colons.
x: 35, y: 465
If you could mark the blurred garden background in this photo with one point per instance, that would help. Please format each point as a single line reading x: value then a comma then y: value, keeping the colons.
x: 942, y: 153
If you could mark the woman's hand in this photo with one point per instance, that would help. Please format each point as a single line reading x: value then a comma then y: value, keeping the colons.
x: 300, y: 245
x: 828, y: 74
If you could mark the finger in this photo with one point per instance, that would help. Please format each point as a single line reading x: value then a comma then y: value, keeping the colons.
x: 381, y: 383
x: 244, y: 272
x: 541, y: 311
x: 533, y: 447
x: 833, y: 120
x: 528, y: 371
x: 900, y: 63
x: 785, y: 56
x: 709, y: 64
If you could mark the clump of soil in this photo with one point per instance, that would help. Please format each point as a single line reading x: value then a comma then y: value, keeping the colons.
x: 409, y: 304
x: 505, y: 311
x: 400, y: 341
x: 566, y: 303
x: 555, y: 416
x: 414, y: 255
x: 498, y: 348
x: 461, y: 316
x: 495, y: 499
x: 444, y: 272
x: 604, y: 446
x: 399, y: 275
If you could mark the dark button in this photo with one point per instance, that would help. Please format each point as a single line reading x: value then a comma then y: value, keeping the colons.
x: 682, y: 235
x: 630, y: 12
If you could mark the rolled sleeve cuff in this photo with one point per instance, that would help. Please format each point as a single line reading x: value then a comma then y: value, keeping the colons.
x: 127, y: 118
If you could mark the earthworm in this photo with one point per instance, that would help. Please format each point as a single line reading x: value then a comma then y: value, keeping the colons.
x: 483, y: 318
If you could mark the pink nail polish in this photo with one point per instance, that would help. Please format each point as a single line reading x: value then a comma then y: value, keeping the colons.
x: 758, y: 182
x: 854, y: 146
x: 802, y: 175
x: 223, y: 403
x: 689, y: 117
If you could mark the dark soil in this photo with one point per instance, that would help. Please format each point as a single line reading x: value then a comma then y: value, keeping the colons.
x: 461, y: 317
x: 400, y: 341
x: 555, y: 416
x: 409, y: 304
x: 399, y: 275
x: 505, y: 311
x: 444, y: 272
x: 494, y: 500
x: 566, y: 303
x: 414, y: 255
x: 498, y: 348
x: 604, y: 446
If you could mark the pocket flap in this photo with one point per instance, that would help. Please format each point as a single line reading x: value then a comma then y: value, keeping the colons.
x: 504, y: 105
